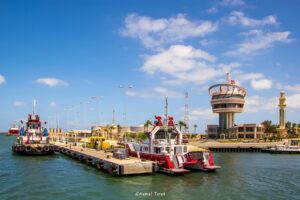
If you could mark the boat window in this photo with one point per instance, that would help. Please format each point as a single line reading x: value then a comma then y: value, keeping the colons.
x: 146, y: 149
x: 206, y: 156
x: 184, y: 149
x: 157, y: 149
x: 196, y: 155
x: 33, y: 126
x: 168, y: 149
x: 161, y: 134
x: 178, y: 150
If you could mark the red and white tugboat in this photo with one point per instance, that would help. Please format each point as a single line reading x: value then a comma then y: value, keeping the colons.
x: 165, y: 145
x: 14, y: 130
x: 33, y: 139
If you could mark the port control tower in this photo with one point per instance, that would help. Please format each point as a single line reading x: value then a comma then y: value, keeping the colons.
x: 226, y: 100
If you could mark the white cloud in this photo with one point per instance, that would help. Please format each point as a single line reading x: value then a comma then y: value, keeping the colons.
x: 231, y: 3
x: 229, y: 67
x: 182, y: 64
x: 202, y: 113
x: 294, y: 88
x: 157, y: 32
x: 19, y: 103
x: 52, y: 104
x: 156, y: 92
x: 206, y: 42
x: 212, y: 10
x: 239, y: 18
x: 259, y: 41
x: 52, y: 82
x: 258, y: 104
x: 242, y: 76
x: 261, y: 84
x: 293, y: 101
x: 2, y: 79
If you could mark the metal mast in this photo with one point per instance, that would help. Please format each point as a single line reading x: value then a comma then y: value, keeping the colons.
x: 113, y: 117
x: 186, y: 113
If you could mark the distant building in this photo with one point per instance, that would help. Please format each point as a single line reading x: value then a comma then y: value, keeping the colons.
x: 241, y: 131
x: 249, y: 131
x: 212, y: 131
x: 137, y: 129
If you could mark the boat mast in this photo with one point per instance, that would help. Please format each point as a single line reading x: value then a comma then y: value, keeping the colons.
x: 33, y: 107
x: 166, y: 110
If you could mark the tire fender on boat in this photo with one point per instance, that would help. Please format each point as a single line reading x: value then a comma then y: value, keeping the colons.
x: 46, y: 148
x: 21, y: 148
x: 39, y: 149
x: 28, y: 148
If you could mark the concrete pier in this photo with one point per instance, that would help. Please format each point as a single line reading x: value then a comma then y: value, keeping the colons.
x: 235, y: 146
x: 105, y: 161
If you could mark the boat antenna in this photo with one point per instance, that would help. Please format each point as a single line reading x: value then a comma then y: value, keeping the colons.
x: 166, y: 110
x: 166, y: 115
x: 33, y: 106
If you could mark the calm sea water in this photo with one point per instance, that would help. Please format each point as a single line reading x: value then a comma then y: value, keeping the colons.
x: 243, y: 176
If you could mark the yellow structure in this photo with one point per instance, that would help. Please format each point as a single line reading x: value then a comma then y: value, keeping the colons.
x: 99, y: 143
x: 282, y: 105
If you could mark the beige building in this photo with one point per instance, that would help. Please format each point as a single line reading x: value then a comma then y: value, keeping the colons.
x: 249, y: 131
x: 241, y: 131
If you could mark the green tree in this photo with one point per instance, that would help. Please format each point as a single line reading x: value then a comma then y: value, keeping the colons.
x: 147, y: 124
x: 195, y: 128
x: 182, y: 124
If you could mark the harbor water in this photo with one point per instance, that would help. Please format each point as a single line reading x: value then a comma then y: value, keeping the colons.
x: 243, y: 176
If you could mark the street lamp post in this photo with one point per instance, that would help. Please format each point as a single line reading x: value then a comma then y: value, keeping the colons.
x: 97, y: 99
x: 125, y: 89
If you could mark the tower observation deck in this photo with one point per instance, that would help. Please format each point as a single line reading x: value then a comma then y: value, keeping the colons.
x: 226, y: 100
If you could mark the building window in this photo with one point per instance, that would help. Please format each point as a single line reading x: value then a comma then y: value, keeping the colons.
x: 249, y: 135
x: 241, y: 136
x: 249, y: 129
x: 241, y: 129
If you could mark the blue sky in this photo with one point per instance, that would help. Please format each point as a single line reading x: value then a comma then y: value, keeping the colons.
x: 63, y: 52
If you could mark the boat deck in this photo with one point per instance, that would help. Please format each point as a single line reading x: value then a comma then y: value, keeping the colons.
x: 105, y: 160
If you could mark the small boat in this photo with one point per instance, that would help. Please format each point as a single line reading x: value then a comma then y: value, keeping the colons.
x: 288, y: 147
x: 166, y: 146
x: 33, y: 138
x: 14, y: 130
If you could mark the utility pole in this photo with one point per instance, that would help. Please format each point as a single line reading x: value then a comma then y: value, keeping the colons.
x: 113, y: 117
x: 125, y: 88
x: 186, y: 113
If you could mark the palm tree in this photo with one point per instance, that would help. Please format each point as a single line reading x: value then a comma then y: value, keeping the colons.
x: 195, y: 128
x: 146, y: 125
x: 111, y: 128
x: 182, y: 124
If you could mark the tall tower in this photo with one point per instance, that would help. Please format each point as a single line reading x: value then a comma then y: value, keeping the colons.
x: 226, y: 100
x: 282, y: 105
x: 186, y: 113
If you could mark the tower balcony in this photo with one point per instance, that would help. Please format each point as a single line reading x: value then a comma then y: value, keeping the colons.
x: 232, y: 100
x: 227, y: 110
